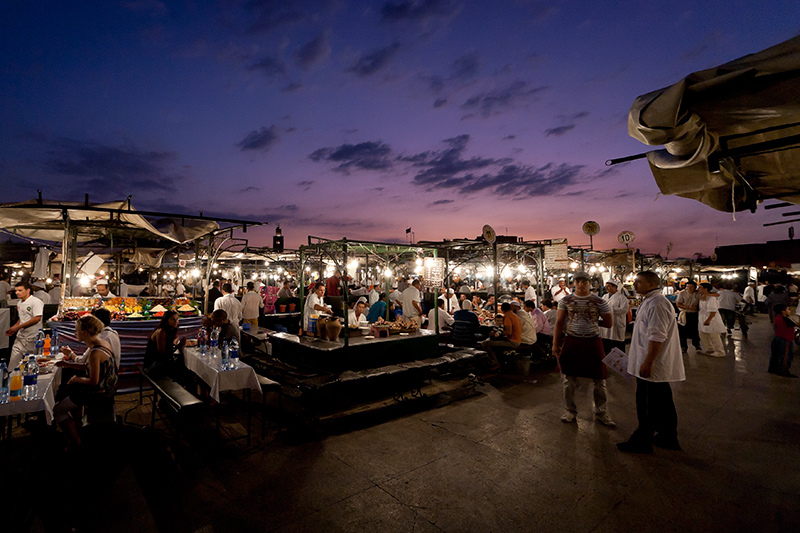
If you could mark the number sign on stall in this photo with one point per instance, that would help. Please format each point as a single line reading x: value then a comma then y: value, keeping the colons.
x: 434, y: 272
x: 626, y: 237
x: 556, y: 254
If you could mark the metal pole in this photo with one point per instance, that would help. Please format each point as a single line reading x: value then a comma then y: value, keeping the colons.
x: 494, y: 276
x: 345, y: 297
x: 435, y: 299
x: 64, y: 270
x: 301, y: 291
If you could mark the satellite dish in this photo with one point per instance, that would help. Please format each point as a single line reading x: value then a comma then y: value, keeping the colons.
x: 489, y: 234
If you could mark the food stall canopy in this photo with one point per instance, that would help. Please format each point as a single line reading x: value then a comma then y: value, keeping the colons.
x: 730, y: 134
x: 45, y: 221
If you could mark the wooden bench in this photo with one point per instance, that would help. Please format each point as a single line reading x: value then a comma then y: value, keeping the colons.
x: 176, y: 397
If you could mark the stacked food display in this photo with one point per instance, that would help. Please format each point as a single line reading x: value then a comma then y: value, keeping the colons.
x: 122, y: 309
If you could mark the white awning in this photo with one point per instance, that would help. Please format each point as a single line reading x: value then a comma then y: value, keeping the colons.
x: 46, y: 222
x: 720, y: 114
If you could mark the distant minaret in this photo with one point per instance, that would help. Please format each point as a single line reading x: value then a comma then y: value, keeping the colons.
x: 277, y: 240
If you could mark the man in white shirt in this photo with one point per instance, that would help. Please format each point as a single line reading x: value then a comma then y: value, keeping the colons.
x: 560, y: 290
x: 655, y: 359
x: 251, y: 303
x: 451, y: 301
x: 123, y: 289
x: 750, y: 298
x: 315, y: 305
x: 55, y: 292
x: 445, y: 319
x: 727, y: 306
x: 229, y: 304
x: 356, y: 314
x: 530, y: 292
x: 30, y: 310
x: 107, y: 334
x: 102, y: 289
x: 374, y: 296
x: 396, y: 297
x: 528, y: 325
x: 5, y: 287
x: 412, y: 308
x: 40, y: 292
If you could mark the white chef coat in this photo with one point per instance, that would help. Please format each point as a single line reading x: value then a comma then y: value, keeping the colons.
x: 353, y: 320
x: 530, y: 294
x: 106, y: 297
x: 43, y: 296
x: 411, y: 294
x: 619, y: 312
x: 708, y: 306
x: 4, y: 288
x: 55, y: 294
x: 309, y: 310
x: 655, y: 321
x: 251, y: 303
x: 445, y: 319
x: 374, y: 296
x: 232, y: 306
x: 555, y: 289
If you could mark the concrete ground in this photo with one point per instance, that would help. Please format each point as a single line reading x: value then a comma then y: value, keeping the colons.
x: 500, y: 461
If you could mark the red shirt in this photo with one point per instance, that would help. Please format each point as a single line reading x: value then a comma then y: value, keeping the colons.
x: 332, y: 286
x: 782, y: 329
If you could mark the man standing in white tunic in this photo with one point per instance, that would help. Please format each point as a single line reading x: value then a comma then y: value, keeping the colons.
x: 614, y: 337
x: 230, y: 305
x: 412, y: 308
x: 530, y: 292
x: 30, y: 310
x: 655, y: 359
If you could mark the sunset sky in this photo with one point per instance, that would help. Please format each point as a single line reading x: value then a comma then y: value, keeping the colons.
x: 360, y: 119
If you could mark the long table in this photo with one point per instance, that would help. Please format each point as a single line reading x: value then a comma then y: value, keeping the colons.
x: 243, y: 378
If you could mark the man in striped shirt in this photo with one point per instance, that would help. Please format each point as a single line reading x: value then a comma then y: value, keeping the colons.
x: 578, y: 347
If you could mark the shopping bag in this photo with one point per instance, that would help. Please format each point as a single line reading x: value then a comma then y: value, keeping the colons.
x: 682, y: 318
x: 617, y: 360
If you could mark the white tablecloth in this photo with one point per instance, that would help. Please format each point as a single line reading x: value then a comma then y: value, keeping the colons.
x: 45, y: 400
x: 207, y: 368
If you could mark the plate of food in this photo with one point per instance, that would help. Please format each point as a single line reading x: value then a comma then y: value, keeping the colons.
x: 191, y: 342
x: 369, y: 336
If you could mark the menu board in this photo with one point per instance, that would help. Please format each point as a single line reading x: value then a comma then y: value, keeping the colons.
x: 434, y: 272
x: 556, y: 254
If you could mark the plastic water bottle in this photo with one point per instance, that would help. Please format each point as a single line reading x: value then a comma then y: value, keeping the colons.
x: 233, y: 354
x: 213, y: 344
x: 224, y: 362
x: 15, y: 386
x: 39, y: 343
x: 54, y: 347
x: 30, y: 379
x: 4, y: 377
x: 202, y: 342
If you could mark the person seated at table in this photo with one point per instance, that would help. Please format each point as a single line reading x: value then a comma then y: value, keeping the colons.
x: 356, y: 313
x: 510, y: 338
x: 490, y: 304
x: 378, y: 309
x: 528, y: 336
x: 466, y: 324
x: 315, y: 304
x: 445, y: 319
x: 100, y: 381
x: 227, y: 330
x: 162, y: 356
x: 477, y: 303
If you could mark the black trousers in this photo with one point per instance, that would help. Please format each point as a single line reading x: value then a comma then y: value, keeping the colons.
x: 689, y: 331
x: 655, y: 411
x: 728, y: 317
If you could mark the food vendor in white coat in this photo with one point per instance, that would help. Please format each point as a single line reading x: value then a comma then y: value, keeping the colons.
x: 102, y: 289
x: 615, y: 335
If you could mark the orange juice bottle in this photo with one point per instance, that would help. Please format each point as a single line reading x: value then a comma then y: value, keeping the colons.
x: 47, y: 345
x: 15, y: 387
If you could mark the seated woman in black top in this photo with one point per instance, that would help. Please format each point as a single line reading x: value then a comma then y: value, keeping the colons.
x: 160, y: 357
